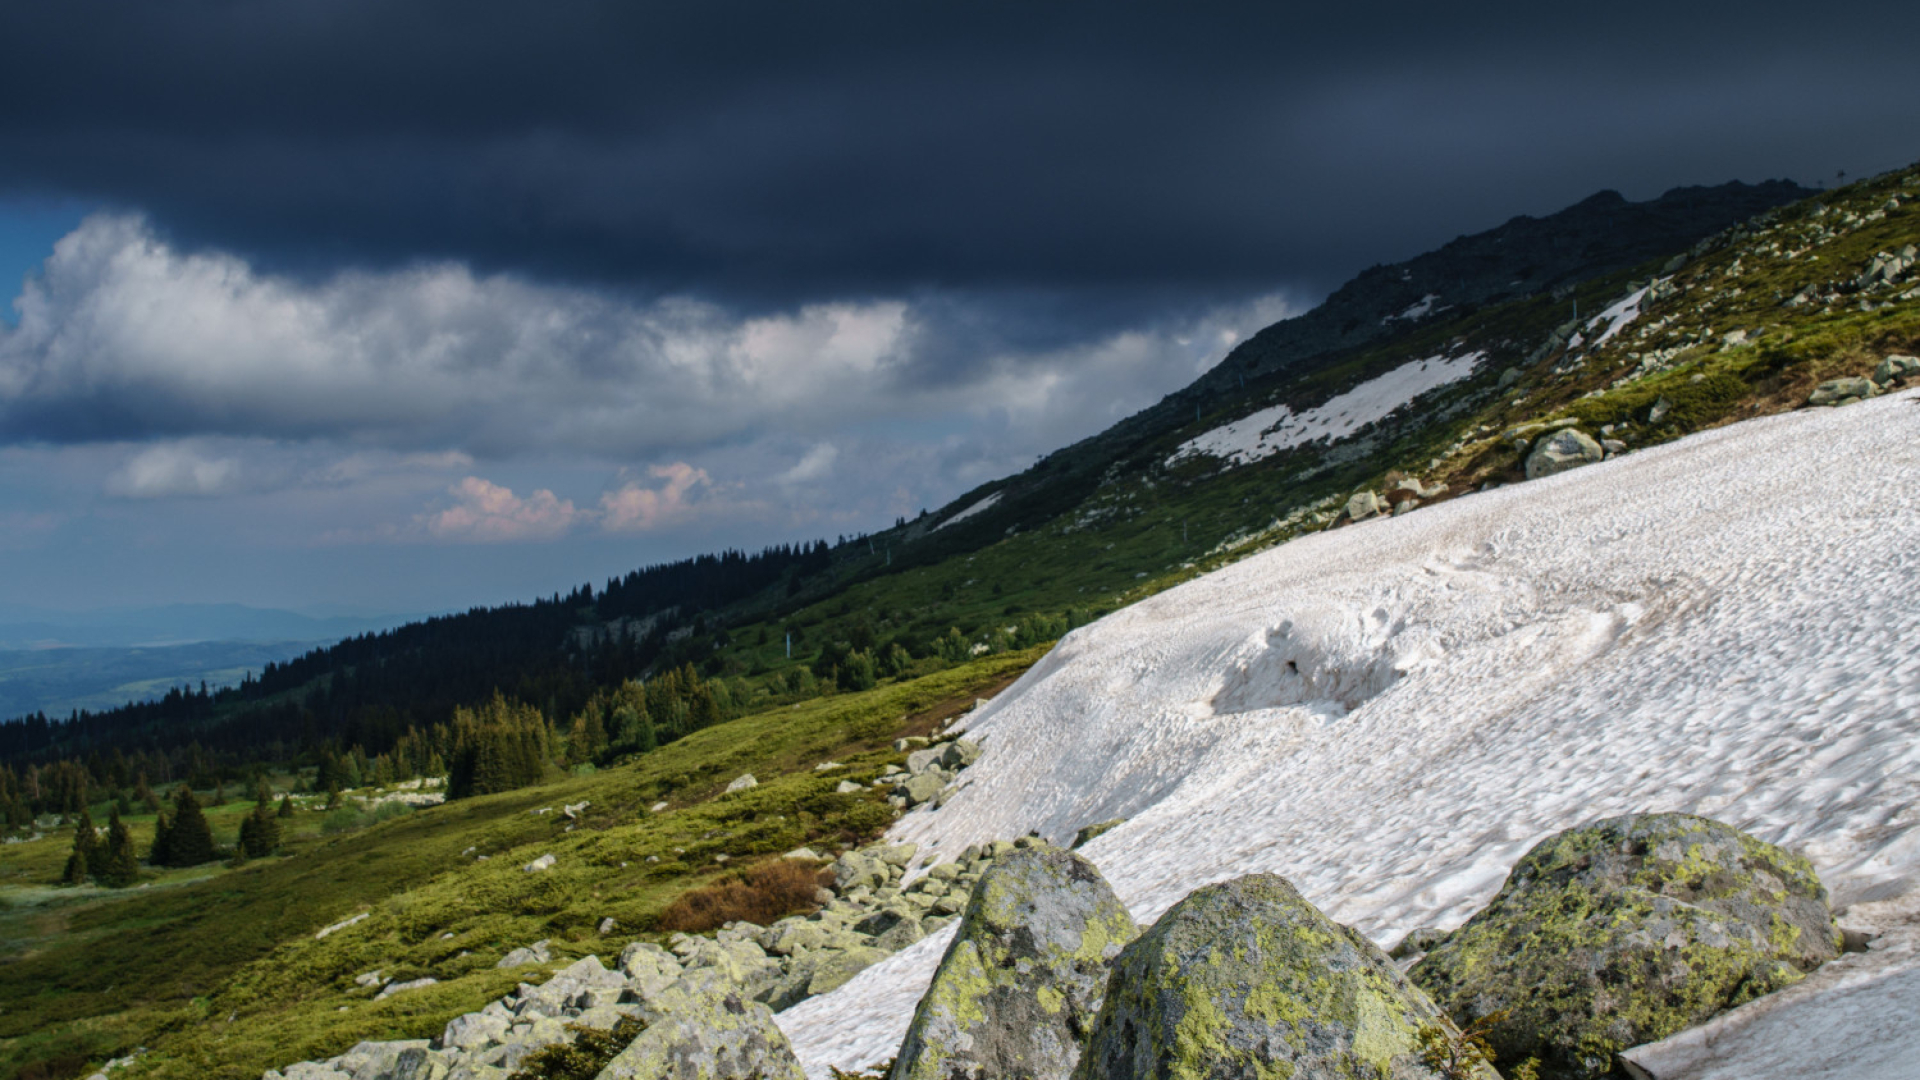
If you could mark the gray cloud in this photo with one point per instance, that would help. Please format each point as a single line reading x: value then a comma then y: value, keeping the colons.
x: 122, y: 337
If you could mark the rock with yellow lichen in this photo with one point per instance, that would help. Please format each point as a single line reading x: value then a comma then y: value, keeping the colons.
x: 1019, y: 986
x: 1626, y: 931
x: 1246, y: 979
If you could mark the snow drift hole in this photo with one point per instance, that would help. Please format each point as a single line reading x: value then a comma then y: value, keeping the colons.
x: 1295, y: 669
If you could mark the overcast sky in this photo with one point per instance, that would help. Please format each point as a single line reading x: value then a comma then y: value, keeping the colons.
x: 395, y: 306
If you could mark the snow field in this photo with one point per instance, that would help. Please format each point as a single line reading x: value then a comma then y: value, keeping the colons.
x: 1269, y: 431
x: 1389, y: 715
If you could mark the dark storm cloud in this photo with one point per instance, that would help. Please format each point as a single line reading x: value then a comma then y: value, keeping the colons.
x: 775, y: 153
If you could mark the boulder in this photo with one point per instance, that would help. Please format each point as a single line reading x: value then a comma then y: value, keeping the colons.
x: 835, y: 968
x: 474, y: 1031
x: 1363, y: 505
x: 535, y: 953
x: 848, y: 787
x: 921, y: 788
x: 921, y: 760
x: 1022, y: 980
x: 703, y: 1028
x: 959, y: 754
x: 1626, y: 931
x: 1247, y: 979
x: 544, y: 862
x: 1088, y: 832
x: 393, y: 988
x: 854, y: 870
x: 1564, y: 449
x: 1842, y: 392
x: 1896, y: 367
x: 742, y: 783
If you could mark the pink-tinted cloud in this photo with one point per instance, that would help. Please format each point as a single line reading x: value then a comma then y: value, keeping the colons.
x: 489, y: 513
x: 634, y: 507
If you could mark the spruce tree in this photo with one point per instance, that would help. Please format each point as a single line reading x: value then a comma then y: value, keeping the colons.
x: 122, y: 866
x: 286, y: 806
x: 162, y: 833
x: 145, y: 794
x: 190, y: 842
x: 333, y: 797
x: 259, y: 834
x: 262, y: 794
x: 80, y: 861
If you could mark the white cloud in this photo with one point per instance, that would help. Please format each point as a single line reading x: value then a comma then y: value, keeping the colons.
x: 633, y: 507
x: 816, y: 465
x: 486, y: 512
x: 174, y: 469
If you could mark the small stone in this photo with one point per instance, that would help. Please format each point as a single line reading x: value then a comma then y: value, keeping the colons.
x: 742, y: 783
x: 544, y: 862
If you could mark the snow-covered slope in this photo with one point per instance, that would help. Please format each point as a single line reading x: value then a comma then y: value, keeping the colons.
x: 1389, y: 715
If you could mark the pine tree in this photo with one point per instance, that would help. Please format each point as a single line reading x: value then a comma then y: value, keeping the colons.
x: 146, y: 796
x: 191, y: 841
x: 333, y: 796
x: 122, y: 867
x: 262, y: 794
x: 219, y: 793
x: 286, y: 806
x: 162, y: 835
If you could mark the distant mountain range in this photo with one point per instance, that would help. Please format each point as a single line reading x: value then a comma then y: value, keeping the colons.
x: 24, y: 627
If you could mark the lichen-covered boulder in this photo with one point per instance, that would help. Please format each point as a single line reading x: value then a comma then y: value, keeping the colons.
x: 1626, y: 931
x: 1564, y: 449
x: 1246, y: 979
x: 1019, y: 986
x: 703, y: 1028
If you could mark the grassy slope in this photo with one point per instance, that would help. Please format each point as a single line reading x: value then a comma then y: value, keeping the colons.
x: 218, y: 970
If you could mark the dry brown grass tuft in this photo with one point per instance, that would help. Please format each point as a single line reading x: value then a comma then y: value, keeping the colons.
x: 761, y: 895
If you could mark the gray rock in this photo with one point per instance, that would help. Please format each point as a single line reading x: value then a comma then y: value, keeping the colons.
x: 1896, y: 367
x: 1509, y: 377
x: 1842, y: 391
x: 1420, y: 941
x: 923, y: 788
x: 376, y: 1060
x: 474, y: 1031
x: 420, y: 1064
x: 921, y: 760
x: 836, y: 968
x: 1363, y: 505
x: 1088, y: 832
x: 535, y: 953
x: 899, y: 935
x: 544, y: 862
x: 848, y: 787
x: 1563, y: 450
x: 702, y: 1028
x: 1659, y: 411
x: 854, y: 870
x: 1627, y: 931
x: 959, y: 754
x: 607, y: 926
x: 742, y: 783
x: 1022, y: 980
x: 1613, y: 447
x: 1247, y: 979
x: 401, y: 987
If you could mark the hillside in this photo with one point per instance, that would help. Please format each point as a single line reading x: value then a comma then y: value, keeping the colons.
x: 1539, y: 612
x: 731, y: 614
x: 1389, y: 716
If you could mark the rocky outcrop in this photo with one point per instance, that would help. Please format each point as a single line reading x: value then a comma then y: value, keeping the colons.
x: 1565, y: 449
x: 1018, y: 988
x: 1247, y: 979
x: 1626, y: 931
x: 702, y: 1028
x: 1842, y: 392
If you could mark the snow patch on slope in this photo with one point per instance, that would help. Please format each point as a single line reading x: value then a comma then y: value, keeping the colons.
x: 980, y: 507
x: 1390, y: 716
x: 1616, y: 317
x: 1269, y: 431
